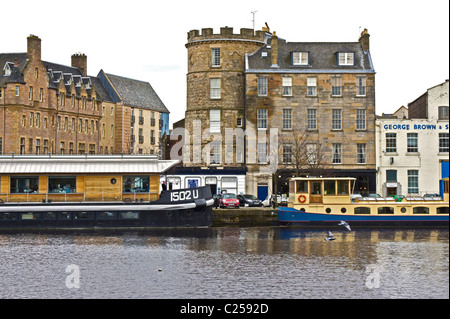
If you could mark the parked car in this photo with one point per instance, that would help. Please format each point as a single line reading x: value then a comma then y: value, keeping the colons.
x: 270, y: 200
x: 248, y: 200
x: 432, y: 195
x: 229, y: 200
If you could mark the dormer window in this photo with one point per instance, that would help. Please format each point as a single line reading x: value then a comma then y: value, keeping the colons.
x: 300, y: 58
x: 7, y: 69
x: 346, y: 58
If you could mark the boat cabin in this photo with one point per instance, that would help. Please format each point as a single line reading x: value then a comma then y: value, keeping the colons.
x: 318, y: 190
x: 81, y: 178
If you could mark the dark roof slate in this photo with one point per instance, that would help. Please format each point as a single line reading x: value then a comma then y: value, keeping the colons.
x: 322, y: 56
x: 137, y: 93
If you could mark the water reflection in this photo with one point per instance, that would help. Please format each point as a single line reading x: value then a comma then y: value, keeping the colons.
x: 267, y: 262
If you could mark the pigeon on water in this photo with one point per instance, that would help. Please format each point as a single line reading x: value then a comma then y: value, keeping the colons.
x: 345, y: 224
x: 330, y: 237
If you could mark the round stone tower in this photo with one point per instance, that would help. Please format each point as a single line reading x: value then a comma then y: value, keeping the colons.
x: 216, y: 84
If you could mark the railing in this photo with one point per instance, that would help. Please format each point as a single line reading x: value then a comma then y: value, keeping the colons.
x: 78, y: 197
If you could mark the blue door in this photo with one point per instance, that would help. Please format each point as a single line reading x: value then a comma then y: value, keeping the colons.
x: 444, y: 173
x: 263, y: 191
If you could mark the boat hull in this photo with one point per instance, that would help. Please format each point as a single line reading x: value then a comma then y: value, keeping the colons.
x: 192, y: 209
x: 292, y: 217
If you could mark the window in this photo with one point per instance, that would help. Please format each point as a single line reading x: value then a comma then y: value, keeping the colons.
x: 443, y: 143
x: 391, y: 142
x: 73, y: 124
x: 336, y: 86
x: 38, y: 120
x: 81, y: 148
x: 360, y: 119
x: 337, y: 153
x: 239, y: 122
x: 73, y: 101
x: 262, y: 152
x: 311, y: 87
x: 24, y: 185
x: 312, y: 120
x: 38, y: 146
x: 36, y: 73
x: 412, y: 143
x: 41, y: 95
x: 287, y: 153
x: 262, y: 119
x: 91, y: 149
x: 336, y: 122
x: 421, y: 210
x: 287, y: 119
x: 22, y: 146
x: 92, y: 127
x: 302, y: 186
x: 385, y: 210
x: 361, y: 153
x: 346, y: 58
x: 215, y: 157
x: 214, y: 121
x: 30, y: 94
x: 391, y: 175
x: 362, y: 210
x: 329, y: 188
x: 103, y: 130
x: 45, y: 147
x: 24, y: 120
x: 1, y: 145
x: 71, y: 148
x: 311, y: 153
x: 112, y: 130
x: 215, y: 57
x: 361, y: 86
x: 413, y: 182
x: 112, y: 111
x: 342, y: 187
x: 214, y: 92
x: 62, y: 146
x: 80, y: 125
x: 300, y: 58
x: 31, y: 119
x: 17, y: 90
x: 443, y: 113
x: 287, y: 86
x: 262, y: 86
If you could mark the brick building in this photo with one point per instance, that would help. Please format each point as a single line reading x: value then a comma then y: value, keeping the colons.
x: 49, y: 108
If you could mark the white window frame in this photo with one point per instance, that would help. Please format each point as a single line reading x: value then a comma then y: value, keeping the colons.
x: 412, y: 142
x: 214, y: 121
x: 262, y: 153
x: 413, y: 182
x: 262, y: 85
x: 215, y: 88
x: 300, y: 58
x: 336, y: 86
x: 361, y: 153
x: 346, y: 58
x: 311, y: 87
x: 336, y: 120
x: 361, y: 86
x: 215, y: 153
x: 287, y: 153
x: 311, y: 119
x: 443, y: 142
x: 215, y: 57
x: 287, y: 119
x: 337, y: 153
x: 287, y: 86
x: 361, y: 120
x: 262, y: 119
x: 391, y: 143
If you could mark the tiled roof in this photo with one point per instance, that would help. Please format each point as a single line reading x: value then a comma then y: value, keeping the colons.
x: 322, y: 57
x: 137, y: 93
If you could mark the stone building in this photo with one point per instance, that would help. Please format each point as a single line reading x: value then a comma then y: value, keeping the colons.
x: 49, y: 108
x: 413, y: 151
x: 321, y: 99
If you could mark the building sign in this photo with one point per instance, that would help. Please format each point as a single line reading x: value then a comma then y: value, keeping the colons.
x: 417, y: 127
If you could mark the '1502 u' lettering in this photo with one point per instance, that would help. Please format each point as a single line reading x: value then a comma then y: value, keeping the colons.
x: 184, y: 195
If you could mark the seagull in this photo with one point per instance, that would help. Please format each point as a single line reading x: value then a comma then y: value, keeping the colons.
x: 345, y: 224
x: 330, y: 237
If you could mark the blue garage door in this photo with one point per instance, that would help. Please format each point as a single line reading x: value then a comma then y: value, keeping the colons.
x: 263, y: 191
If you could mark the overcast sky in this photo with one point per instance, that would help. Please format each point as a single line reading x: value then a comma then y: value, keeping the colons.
x: 145, y: 40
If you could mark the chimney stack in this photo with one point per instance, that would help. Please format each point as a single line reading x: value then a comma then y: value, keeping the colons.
x: 79, y: 61
x: 33, y: 48
x: 274, y: 49
x: 364, y: 40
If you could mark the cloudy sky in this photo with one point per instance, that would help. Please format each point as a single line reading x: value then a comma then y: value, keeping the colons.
x: 145, y: 40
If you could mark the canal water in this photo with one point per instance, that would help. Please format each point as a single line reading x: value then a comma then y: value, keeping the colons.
x: 226, y: 263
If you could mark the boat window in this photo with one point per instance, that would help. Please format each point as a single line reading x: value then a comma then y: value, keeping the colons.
x: 136, y: 184
x: 31, y: 216
x: 60, y: 184
x: 83, y: 215
x: 330, y: 188
x: 107, y: 215
x: 362, y: 210
x: 24, y: 185
x: 64, y: 216
x: 342, y: 187
x: 8, y: 216
x: 385, y: 210
x: 129, y: 215
x: 302, y: 186
x: 442, y: 210
x: 316, y: 188
x: 49, y: 216
x: 421, y: 210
